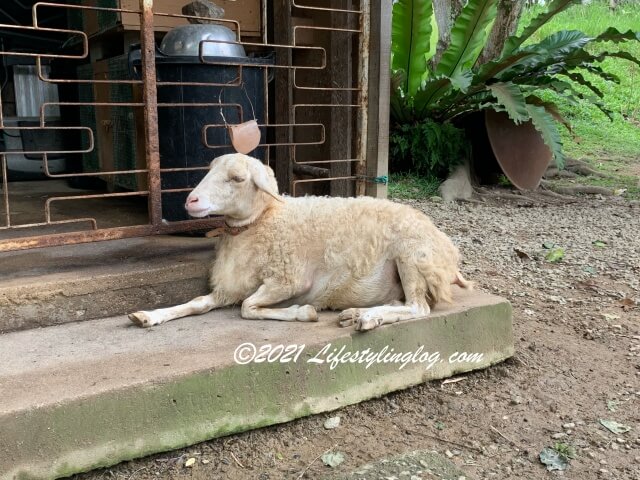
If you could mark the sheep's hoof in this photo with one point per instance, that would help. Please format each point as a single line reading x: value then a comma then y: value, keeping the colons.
x: 141, y: 319
x: 368, y: 322
x: 307, y: 313
x: 348, y: 317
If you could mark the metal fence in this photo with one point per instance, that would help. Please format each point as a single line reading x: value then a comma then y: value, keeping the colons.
x: 313, y: 60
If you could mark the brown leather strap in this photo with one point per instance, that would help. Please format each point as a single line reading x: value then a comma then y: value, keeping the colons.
x: 226, y: 230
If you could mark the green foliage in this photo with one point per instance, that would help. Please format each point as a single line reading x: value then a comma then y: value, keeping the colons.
x: 594, y: 134
x: 410, y: 43
x: 408, y: 185
x: 525, y: 81
x: 468, y: 37
x: 427, y: 148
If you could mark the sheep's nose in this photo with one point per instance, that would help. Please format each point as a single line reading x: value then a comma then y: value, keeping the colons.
x: 192, y: 199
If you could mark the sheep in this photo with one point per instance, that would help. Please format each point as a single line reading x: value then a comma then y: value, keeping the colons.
x: 283, y: 258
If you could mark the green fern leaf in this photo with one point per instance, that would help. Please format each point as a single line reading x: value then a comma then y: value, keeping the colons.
x: 546, y: 125
x: 555, y: 6
x: 510, y: 97
x: 468, y: 37
x: 411, y: 30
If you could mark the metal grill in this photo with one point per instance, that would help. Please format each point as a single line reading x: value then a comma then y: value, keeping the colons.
x: 312, y: 59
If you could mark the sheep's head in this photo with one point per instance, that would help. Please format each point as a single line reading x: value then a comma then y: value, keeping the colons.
x: 237, y: 186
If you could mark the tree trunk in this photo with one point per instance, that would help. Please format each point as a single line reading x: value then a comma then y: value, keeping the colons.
x: 505, y: 25
x: 446, y: 12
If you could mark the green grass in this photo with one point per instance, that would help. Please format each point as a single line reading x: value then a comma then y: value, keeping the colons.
x: 407, y: 185
x: 595, y: 136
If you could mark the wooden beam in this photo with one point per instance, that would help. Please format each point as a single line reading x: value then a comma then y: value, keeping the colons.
x: 283, y: 35
x: 379, y: 90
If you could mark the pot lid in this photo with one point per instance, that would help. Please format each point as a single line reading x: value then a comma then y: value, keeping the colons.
x: 185, y: 41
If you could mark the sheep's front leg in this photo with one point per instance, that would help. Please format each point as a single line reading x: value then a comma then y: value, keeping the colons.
x: 370, y: 318
x: 254, y: 307
x: 194, y: 307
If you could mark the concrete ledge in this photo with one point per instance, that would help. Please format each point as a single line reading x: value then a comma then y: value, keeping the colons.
x: 81, y: 282
x: 91, y: 394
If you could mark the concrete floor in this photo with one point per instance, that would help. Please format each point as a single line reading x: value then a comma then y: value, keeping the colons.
x: 89, y: 394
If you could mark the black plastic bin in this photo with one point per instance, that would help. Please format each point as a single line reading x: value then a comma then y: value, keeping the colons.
x: 181, y: 128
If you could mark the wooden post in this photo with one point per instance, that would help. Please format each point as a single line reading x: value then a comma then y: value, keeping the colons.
x: 341, y: 75
x: 283, y: 35
x: 378, y: 106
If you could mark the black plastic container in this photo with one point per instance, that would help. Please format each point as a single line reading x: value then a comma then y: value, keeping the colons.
x: 181, y: 127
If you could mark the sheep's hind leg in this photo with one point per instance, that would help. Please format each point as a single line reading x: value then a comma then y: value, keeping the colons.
x: 194, y: 307
x: 414, y: 286
x: 255, y: 307
x: 370, y: 318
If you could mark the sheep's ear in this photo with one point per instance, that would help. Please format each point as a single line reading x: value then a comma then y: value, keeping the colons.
x: 260, y: 176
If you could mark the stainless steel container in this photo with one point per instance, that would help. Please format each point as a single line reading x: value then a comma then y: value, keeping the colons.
x: 185, y: 41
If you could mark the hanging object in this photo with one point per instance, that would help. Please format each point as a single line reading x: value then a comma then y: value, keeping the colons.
x: 245, y: 137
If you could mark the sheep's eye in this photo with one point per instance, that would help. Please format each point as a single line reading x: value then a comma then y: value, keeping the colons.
x: 237, y: 179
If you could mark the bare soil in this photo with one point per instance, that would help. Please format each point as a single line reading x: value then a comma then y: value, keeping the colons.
x: 577, y: 337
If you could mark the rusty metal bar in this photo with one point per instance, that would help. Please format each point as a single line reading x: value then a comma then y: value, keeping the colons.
x: 311, y: 7
x: 92, y: 221
x: 85, y: 43
x: 314, y: 180
x: 42, y: 152
x: 322, y: 66
x: 150, y: 107
x: 105, y: 234
x: 318, y: 142
x: 151, y: 112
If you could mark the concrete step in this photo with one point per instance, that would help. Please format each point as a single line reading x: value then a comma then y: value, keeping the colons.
x: 56, y: 285
x: 90, y: 394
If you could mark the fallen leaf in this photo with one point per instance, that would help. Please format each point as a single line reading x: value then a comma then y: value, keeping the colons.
x: 599, y: 243
x: 614, y: 427
x: 555, y: 255
x: 553, y: 459
x: 627, y: 303
x: 548, y: 245
x: 333, y: 459
x: 589, y: 269
x: 521, y: 254
x: 612, y: 405
x: 610, y: 317
x: 190, y: 463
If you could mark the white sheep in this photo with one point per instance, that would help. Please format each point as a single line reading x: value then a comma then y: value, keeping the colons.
x: 286, y: 258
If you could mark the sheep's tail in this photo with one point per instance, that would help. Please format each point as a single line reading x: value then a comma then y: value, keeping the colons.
x: 437, y: 283
x: 462, y: 283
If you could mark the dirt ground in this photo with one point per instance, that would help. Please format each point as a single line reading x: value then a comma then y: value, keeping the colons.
x: 577, y: 338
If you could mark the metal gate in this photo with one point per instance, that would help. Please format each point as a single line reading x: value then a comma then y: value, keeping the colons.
x: 314, y: 56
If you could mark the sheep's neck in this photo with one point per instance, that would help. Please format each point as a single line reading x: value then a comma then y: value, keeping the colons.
x: 255, y: 217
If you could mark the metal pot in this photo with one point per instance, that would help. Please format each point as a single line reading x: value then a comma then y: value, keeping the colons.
x: 185, y: 41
